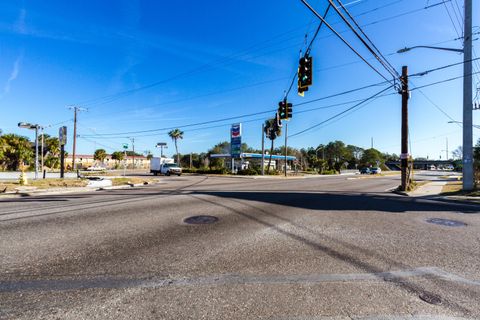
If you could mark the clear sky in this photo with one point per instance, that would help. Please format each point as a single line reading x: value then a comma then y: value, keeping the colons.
x: 153, y: 65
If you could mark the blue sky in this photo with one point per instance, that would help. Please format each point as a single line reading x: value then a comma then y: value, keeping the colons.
x: 212, y: 60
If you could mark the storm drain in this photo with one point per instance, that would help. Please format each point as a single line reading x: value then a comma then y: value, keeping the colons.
x: 430, y: 298
x: 446, y: 222
x: 201, y: 220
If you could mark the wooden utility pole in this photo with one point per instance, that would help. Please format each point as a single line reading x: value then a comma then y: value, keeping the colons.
x: 404, y: 154
x: 74, y: 137
x: 75, y: 110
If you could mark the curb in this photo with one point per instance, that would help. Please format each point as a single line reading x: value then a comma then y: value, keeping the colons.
x: 69, y: 190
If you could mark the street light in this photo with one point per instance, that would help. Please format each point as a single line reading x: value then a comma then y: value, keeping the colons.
x: 323, y: 152
x: 161, y: 145
x: 468, y: 174
x: 473, y: 125
x: 406, y: 49
x: 35, y: 127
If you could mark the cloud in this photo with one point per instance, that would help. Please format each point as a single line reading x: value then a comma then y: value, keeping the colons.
x: 13, y: 75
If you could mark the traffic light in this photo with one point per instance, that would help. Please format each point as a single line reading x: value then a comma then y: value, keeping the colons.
x: 285, y: 110
x: 282, y: 109
x: 289, y: 110
x: 305, y: 74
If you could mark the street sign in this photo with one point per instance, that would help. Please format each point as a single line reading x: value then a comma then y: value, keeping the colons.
x: 236, y: 140
x: 125, y: 146
x: 62, y: 135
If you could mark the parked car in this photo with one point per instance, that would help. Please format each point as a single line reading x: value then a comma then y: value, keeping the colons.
x: 96, y: 168
x: 375, y: 170
x: 365, y: 171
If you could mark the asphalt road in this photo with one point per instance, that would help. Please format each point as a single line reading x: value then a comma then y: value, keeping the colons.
x: 318, y: 248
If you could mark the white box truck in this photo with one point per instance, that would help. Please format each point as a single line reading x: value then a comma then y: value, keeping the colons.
x: 165, y: 166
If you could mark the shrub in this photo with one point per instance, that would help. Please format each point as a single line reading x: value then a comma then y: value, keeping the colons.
x: 248, y: 172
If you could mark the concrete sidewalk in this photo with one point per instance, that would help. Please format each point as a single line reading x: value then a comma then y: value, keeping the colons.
x: 433, y: 188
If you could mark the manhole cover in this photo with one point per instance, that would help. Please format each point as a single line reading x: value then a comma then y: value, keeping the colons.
x: 430, y: 298
x: 447, y: 222
x: 201, y: 220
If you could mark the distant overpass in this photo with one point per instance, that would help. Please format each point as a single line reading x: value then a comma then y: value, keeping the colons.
x: 421, y: 164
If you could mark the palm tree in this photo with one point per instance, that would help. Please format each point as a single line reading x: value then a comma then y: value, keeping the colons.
x: 175, y: 135
x: 272, y: 131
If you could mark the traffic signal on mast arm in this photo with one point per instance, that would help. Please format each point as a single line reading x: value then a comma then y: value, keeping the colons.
x: 305, y: 74
x: 289, y: 110
x: 282, y: 109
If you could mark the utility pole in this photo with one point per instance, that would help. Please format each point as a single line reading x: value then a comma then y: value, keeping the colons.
x: 446, y: 158
x: 371, y: 144
x: 36, y: 152
x: 75, y: 111
x: 190, y: 160
x: 263, y: 149
x: 404, y: 154
x: 286, y: 135
x: 43, y: 141
x: 133, y: 148
x: 468, y: 175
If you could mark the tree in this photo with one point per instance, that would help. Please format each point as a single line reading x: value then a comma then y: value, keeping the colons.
x: 370, y: 157
x: 219, y: 148
x: 336, y: 154
x: 476, y: 161
x: 175, y: 135
x: 117, y: 155
x: 100, y: 154
x: 272, y: 131
x: 51, y: 151
x: 354, y: 154
x: 458, y: 153
x: 14, y: 151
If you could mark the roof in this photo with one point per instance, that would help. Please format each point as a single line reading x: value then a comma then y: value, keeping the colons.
x: 253, y: 155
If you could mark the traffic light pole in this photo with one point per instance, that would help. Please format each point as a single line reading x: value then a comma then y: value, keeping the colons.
x: 286, y: 136
x: 263, y: 149
x: 404, y: 154
x: 62, y: 160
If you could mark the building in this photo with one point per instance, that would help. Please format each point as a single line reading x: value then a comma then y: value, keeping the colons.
x: 83, y: 161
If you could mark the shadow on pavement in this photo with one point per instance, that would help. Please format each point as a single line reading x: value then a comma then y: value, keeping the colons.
x: 339, y: 201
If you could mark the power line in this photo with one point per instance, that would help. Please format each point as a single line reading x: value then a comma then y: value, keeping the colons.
x: 343, y: 39
x: 442, y: 81
x: 383, y: 62
x: 440, y: 68
x: 341, y: 113
x: 213, y: 64
x: 245, y: 115
x: 122, y: 134
x: 307, y: 51
x: 451, y: 19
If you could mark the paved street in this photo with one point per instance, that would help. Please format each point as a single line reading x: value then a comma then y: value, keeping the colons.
x: 333, y: 247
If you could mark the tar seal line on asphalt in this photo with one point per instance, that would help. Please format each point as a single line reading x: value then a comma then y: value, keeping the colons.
x: 446, y: 222
x: 200, y: 220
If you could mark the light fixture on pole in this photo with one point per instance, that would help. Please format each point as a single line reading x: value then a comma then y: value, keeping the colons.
x: 161, y: 145
x: 35, y: 127
x: 468, y: 176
